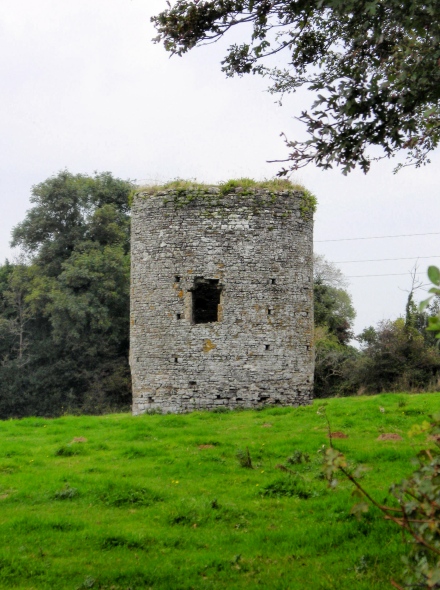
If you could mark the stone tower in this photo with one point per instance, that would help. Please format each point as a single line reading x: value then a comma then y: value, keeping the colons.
x: 221, y: 298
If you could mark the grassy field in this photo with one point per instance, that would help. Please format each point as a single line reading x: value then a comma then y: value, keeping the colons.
x: 118, y: 502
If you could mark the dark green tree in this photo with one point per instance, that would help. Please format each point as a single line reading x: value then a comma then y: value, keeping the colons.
x: 65, y: 312
x: 373, y: 65
x: 397, y: 356
x: 333, y: 315
x: 8, y: 315
x: 401, y: 354
x: 334, y: 310
x: 61, y: 217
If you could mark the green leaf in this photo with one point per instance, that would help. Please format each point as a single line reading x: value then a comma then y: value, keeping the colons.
x: 359, y: 509
x: 424, y: 304
x: 434, y: 275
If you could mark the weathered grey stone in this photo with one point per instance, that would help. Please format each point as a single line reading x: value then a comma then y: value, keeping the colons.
x: 258, y: 246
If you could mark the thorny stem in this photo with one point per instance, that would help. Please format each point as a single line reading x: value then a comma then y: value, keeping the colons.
x: 402, y: 522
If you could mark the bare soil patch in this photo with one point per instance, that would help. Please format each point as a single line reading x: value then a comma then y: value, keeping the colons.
x: 389, y: 436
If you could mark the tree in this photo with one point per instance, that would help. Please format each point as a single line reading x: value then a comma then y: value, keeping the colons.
x: 396, y: 356
x: 334, y: 310
x: 19, y: 313
x: 8, y: 319
x: 374, y: 65
x: 334, y: 315
x: 434, y: 320
x: 64, y: 316
x: 325, y: 272
x: 60, y: 218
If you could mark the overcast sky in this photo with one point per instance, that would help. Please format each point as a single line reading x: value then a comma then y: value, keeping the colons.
x: 84, y: 88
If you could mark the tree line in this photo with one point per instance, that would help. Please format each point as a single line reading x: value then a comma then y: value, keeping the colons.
x: 398, y: 355
x: 64, y: 306
x: 64, y: 312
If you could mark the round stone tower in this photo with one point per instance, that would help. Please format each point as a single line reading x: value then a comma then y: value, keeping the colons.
x: 221, y: 298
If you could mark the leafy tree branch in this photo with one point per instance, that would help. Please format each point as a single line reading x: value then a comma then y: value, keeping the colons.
x: 372, y: 64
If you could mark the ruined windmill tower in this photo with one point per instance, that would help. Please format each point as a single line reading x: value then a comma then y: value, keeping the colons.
x: 221, y: 297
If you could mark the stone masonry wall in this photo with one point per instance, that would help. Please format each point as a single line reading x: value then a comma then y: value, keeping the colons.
x: 258, y: 246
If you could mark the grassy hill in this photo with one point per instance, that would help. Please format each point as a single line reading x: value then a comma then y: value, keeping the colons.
x: 118, y: 502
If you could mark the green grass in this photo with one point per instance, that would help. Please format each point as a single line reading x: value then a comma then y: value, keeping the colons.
x: 226, y: 187
x: 162, y: 501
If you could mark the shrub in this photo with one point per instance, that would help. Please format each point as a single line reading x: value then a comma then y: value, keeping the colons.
x: 298, y: 457
x: 66, y: 493
x: 69, y: 451
x: 418, y: 511
x: 244, y: 458
x: 120, y: 496
x: 287, y: 487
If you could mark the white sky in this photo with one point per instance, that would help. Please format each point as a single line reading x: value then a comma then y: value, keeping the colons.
x: 83, y: 88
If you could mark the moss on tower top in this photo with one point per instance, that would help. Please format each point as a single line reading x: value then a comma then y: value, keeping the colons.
x: 274, y: 184
x: 185, y: 191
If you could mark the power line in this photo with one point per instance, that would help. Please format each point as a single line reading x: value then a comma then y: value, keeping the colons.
x: 379, y: 237
x: 398, y: 274
x: 383, y: 259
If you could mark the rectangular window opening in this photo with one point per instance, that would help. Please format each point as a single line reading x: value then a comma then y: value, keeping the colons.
x: 205, y: 300
x: 267, y: 346
x: 176, y: 360
x: 177, y: 278
x: 269, y: 312
x: 273, y: 281
x: 179, y: 316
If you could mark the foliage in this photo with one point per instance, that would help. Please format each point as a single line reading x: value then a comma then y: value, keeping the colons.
x: 335, y: 367
x: 244, y: 458
x: 274, y: 184
x: 298, y: 457
x: 397, y: 355
x: 373, y: 65
x: 418, y: 511
x: 394, y: 356
x: 64, y: 309
x: 419, y: 501
x: 70, y: 209
x: 333, y: 317
x: 434, y: 321
x: 326, y: 273
x: 333, y: 308
x: 287, y: 487
x: 66, y: 493
x: 183, y: 515
x: 15, y: 312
